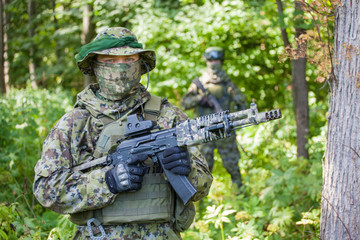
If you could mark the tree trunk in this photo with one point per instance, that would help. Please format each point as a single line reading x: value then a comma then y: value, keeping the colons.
x: 57, y: 48
x: 4, y: 63
x: 2, y: 51
x: 299, y: 85
x: 32, y: 50
x: 6, y: 48
x: 301, y: 105
x: 88, y: 32
x: 340, y: 205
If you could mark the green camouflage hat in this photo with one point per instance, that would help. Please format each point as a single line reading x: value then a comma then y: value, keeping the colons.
x: 128, y: 47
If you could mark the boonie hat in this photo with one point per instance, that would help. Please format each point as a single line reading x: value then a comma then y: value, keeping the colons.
x: 116, y: 41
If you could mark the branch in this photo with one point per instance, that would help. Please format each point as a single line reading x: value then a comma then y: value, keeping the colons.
x: 328, y: 45
x: 309, y: 6
x: 283, y: 30
x: 355, y: 151
x: 347, y: 230
x: 352, y: 149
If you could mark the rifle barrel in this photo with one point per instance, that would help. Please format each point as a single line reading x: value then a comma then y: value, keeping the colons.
x: 257, y: 118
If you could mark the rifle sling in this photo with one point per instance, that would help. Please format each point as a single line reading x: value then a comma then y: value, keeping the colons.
x: 197, y: 82
x: 92, y: 163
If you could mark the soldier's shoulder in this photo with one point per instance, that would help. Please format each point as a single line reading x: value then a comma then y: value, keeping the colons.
x: 75, y: 115
x: 169, y: 110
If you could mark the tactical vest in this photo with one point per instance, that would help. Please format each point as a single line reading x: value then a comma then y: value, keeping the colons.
x: 154, y: 202
x: 219, y: 91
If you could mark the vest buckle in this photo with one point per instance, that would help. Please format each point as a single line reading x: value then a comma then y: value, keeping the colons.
x: 97, y: 224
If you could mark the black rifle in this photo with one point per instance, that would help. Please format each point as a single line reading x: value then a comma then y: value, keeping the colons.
x: 140, y: 139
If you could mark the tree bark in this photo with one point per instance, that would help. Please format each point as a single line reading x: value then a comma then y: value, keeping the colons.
x: 57, y: 48
x: 4, y: 63
x: 299, y: 86
x: 2, y: 50
x: 340, y: 205
x: 88, y: 32
x: 32, y: 50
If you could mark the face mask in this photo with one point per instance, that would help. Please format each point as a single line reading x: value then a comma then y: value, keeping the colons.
x: 117, y: 80
x: 215, y: 67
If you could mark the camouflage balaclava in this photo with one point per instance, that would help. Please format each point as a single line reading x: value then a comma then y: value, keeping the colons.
x: 115, y: 80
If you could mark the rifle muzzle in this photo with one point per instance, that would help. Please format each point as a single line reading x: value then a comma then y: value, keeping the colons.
x: 258, y: 118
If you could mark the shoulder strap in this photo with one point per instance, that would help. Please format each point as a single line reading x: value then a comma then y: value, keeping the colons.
x: 152, y: 108
x: 151, y: 112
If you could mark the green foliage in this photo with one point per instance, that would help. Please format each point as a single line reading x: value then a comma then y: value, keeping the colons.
x: 179, y: 32
x: 217, y: 216
x: 180, y: 41
x: 64, y: 229
x: 282, y: 192
x: 26, y: 117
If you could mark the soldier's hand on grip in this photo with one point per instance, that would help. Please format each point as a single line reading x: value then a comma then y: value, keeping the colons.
x: 205, y: 102
x: 126, y: 176
x: 177, y: 160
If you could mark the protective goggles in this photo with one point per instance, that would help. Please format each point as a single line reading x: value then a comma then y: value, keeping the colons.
x: 214, y: 55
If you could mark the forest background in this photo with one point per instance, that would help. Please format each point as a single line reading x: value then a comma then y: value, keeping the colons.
x: 283, y: 188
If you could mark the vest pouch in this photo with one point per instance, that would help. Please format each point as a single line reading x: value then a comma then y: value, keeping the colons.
x: 108, y: 137
x: 81, y: 218
x: 153, y: 203
x: 184, y: 215
x: 216, y: 89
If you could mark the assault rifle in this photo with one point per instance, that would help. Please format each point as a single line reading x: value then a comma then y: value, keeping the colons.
x: 141, y: 139
x: 212, y: 101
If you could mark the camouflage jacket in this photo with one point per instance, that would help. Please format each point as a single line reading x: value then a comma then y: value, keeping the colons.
x: 72, y: 141
x: 220, y: 85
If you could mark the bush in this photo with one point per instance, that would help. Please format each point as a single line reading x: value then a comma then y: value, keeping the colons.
x: 282, y: 192
x: 26, y: 117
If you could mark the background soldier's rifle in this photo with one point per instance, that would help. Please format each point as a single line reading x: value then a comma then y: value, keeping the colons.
x: 213, y: 102
x: 141, y: 139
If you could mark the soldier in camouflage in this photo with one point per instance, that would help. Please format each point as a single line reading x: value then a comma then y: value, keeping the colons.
x: 217, y: 83
x: 128, y: 201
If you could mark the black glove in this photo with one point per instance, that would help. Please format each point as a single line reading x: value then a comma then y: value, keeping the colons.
x: 126, y: 176
x: 204, y: 102
x: 177, y: 160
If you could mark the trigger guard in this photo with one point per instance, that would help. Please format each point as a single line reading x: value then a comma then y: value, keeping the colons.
x: 108, y: 161
x: 148, y: 162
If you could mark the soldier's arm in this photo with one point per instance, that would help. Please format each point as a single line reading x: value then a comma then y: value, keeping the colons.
x: 200, y: 175
x: 192, y: 98
x: 56, y: 186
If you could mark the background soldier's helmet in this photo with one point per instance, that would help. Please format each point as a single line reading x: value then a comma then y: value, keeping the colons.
x: 147, y: 56
x: 214, y: 53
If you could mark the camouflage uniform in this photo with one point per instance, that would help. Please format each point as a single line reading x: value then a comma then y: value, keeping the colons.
x: 230, y: 98
x: 73, y: 140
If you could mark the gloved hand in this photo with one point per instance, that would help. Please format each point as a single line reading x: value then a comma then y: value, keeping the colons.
x: 177, y: 160
x: 204, y: 102
x: 126, y: 176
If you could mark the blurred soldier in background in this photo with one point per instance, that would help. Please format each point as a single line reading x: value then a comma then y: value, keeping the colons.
x: 214, y: 91
x: 130, y: 200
